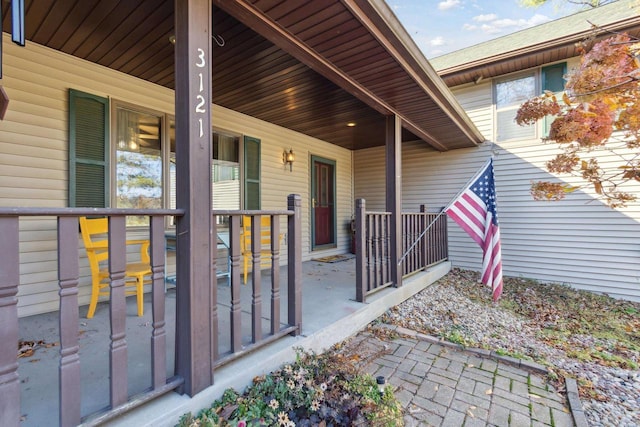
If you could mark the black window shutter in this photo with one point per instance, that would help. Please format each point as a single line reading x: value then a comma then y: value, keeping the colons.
x: 251, y: 173
x: 88, y: 150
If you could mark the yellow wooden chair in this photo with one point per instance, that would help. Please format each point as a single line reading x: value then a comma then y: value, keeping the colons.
x: 94, y: 232
x: 265, y: 243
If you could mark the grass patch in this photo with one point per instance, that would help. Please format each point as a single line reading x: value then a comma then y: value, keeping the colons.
x: 315, y: 390
x: 566, y: 316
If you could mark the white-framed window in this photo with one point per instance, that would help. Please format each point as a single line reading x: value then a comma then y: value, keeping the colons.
x: 509, y: 95
x: 123, y: 155
x: 140, y: 150
x: 510, y: 92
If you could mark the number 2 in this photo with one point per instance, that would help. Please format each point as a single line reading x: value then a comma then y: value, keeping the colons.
x: 200, y: 106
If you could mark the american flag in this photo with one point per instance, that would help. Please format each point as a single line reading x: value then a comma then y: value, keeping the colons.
x: 475, y: 211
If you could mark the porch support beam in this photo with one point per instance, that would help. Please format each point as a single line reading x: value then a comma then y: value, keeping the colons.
x: 252, y: 17
x: 194, y: 363
x: 393, y: 179
x: 9, y: 280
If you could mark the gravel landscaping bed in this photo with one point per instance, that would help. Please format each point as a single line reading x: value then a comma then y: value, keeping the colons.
x: 592, y: 338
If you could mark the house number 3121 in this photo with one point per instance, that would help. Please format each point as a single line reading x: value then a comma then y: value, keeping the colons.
x: 200, y: 99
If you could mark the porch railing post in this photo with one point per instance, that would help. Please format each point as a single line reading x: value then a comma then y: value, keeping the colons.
x: 158, y: 334
x: 360, y: 250
x: 69, y: 325
x: 9, y: 279
x: 425, y: 239
x: 393, y: 172
x: 294, y: 257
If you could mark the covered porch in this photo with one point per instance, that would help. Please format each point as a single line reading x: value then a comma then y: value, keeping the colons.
x: 321, y: 78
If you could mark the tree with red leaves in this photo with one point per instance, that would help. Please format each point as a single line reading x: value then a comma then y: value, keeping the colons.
x: 599, y: 110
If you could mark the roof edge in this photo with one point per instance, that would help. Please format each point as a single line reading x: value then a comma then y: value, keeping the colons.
x: 402, y: 47
x: 600, y: 31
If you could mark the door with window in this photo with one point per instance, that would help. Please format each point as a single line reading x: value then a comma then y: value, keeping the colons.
x: 323, y: 202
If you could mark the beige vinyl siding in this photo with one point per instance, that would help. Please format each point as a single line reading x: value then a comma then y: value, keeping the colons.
x: 578, y: 241
x: 34, y: 158
x: 476, y: 99
x: 277, y: 181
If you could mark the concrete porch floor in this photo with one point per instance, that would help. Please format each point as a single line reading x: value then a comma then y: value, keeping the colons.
x: 330, y: 314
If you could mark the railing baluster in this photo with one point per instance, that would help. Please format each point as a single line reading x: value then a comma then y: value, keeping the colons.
x: 361, y: 250
x: 386, y: 245
x: 68, y: 275
x: 256, y: 279
x: 275, y: 274
x: 383, y: 251
x: 214, y: 288
x: 235, y: 310
x: 424, y: 244
x: 444, y: 234
x: 117, y: 310
x: 9, y: 279
x: 370, y: 253
x: 158, y: 334
x: 294, y: 230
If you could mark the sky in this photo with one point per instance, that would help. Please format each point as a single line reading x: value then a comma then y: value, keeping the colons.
x: 443, y: 26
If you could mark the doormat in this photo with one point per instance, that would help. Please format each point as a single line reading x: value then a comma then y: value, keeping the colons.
x: 335, y: 258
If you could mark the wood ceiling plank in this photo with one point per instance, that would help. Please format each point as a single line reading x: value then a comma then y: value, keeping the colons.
x: 105, y: 28
x: 72, y: 22
x: 37, y: 12
x: 101, y: 11
x: 51, y: 23
x: 143, y: 9
x: 159, y: 24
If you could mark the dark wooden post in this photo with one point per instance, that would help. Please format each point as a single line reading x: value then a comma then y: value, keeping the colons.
x: 275, y: 274
x: 9, y: 279
x: 394, y: 193
x: 425, y: 220
x: 256, y: 278
x: 294, y: 257
x: 69, y: 349
x: 117, y: 311
x: 235, y: 312
x: 158, y: 334
x: 194, y: 363
x: 360, y: 250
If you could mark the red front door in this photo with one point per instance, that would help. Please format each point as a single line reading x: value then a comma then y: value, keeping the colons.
x: 323, y: 202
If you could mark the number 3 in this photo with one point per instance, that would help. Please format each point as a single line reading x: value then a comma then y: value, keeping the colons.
x: 201, y: 58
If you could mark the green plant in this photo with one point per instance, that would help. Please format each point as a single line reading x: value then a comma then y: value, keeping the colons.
x: 456, y: 336
x: 312, y: 390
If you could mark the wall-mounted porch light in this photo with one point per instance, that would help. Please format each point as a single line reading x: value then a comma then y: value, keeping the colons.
x: 288, y: 158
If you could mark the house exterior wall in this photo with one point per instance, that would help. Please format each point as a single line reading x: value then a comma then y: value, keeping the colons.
x: 578, y: 241
x: 34, y: 158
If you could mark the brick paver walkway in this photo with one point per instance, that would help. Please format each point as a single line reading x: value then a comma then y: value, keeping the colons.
x: 439, y: 385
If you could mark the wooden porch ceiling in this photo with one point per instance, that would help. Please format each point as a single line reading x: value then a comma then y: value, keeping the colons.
x: 312, y: 66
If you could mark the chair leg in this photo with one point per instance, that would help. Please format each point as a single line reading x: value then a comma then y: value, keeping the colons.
x: 246, y: 265
x: 95, y: 293
x: 140, y: 295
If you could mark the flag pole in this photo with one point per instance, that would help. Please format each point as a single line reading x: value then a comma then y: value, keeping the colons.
x: 473, y: 178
